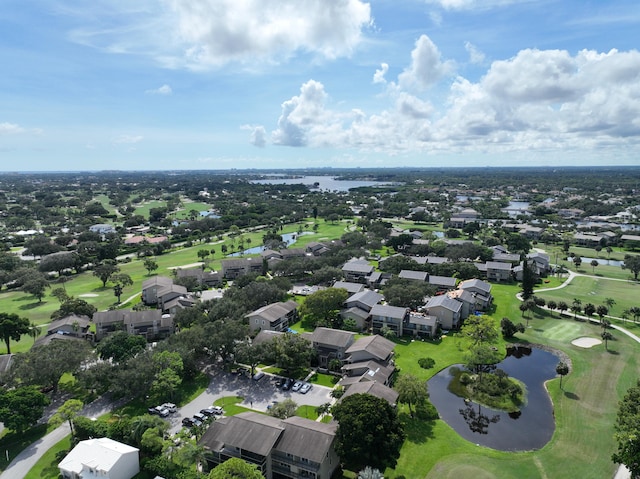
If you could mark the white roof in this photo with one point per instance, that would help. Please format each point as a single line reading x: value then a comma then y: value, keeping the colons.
x: 100, y: 454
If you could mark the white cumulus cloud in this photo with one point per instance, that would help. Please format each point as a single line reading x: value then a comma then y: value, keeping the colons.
x: 163, y: 90
x: 426, y: 66
x: 378, y: 76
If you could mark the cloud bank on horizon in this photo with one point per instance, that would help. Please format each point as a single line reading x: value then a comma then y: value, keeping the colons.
x: 281, y: 83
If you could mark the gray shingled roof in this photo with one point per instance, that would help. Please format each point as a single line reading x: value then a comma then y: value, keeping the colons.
x: 333, y: 337
x: 273, y: 312
x: 375, y: 345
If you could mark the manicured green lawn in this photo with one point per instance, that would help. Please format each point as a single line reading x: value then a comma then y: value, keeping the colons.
x: 47, y: 465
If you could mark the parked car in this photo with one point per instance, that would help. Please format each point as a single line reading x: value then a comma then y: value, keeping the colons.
x: 280, y: 382
x: 170, y: 406
x: 200, y: 417
x: 296, y: 386
x: 217, y: 410
x: 187, y: 421
x: 152, y: 410
x: 258, y: 376
x: 305, y: 388
x: 208, y: 412
x: 287, y: 384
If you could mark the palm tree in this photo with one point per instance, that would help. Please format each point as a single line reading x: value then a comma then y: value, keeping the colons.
x: 562, y: 307
x: 562, y: 369
x: 609, y: 302
x: 576, y: 307
x: 606, y: 336
x: 34, y: 331
x: 601, y: 311
x: 594, y: 263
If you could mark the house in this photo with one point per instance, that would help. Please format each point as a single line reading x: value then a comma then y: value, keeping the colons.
x: 291, y: 448
x: 351, y: 288
x: 498, y: 272
x: 443, y: 283
x: 373, y: 347
x: 481, y: 291
x: 102, y: 229
x: 100, y: 458
x: 391, y: 317
x: 367, y: 371
x: 317, y: 249
x: 149, y: 323
x: 212, y: 279
x: 76, y: 326
x: 447, y: 311
x: 356, y: 271
x: 421, y: 325
x: 233, y: 268
x: 374, y: 388
x: 413, y: 275
x: 330, y: 344
x: 275, y: 316
x: 151, y: 286
x: 364, y: 300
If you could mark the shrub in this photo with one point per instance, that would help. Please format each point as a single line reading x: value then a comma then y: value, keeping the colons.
x: 426, y: 363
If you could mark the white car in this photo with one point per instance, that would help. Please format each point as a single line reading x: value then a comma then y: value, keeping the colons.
x: 296, y: 386
x: 170, y: 407
x: 305, y: 388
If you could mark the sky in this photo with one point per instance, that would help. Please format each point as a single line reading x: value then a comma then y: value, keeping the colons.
x: 275, y: 84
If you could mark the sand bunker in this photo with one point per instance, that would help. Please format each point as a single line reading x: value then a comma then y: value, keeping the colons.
x: 89, y: 295
x: 586, y: 342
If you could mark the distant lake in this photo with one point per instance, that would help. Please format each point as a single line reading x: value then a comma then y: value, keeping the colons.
x: 516, y: 208
x: 325, y: 183
x: 288, y: 238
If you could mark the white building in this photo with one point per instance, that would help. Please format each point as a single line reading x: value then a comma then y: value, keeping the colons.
x: 101, y: 458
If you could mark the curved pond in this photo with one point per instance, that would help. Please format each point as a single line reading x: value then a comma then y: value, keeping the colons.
x: 529, y: 429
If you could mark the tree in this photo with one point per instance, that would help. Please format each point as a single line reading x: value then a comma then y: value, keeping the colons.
x: 74, y: 306
x: 411, y: 391
x: 167, y: 379
x: 105, y: 270
x: 632, y: 263
x: 551, y: 305
x: 627, y: 427
x: 235, y: 468
x: 44, y: 365
x: 589, y: 309
x: 610, y: 302
x: 322, y: 307
x: 203, y: 254
x: 577, y: 261
x: 369, y: 432
x: 67, y: 412
x: 528, y: 281
x: 58, y: 262
x: 576, y: 307
x: 121, y: 281
x: 606, y: 337
x: 481, y: 358
x: 36, y: 285
x: 562, y: 369
x: 120, y: 346
x: 480, y: 329
x: 284, y: 409
x: 509, y: 329
x: 562, y: 307
x: 290, y: 352
x: 369, y: 473
x: 22, y: 407
x: 150, y: 265
x: 13, y: 327
x: 601, y: 311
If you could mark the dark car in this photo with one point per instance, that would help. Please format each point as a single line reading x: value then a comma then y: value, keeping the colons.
x: 279, y: 382
x: 287, y: 384
x: 208, y: 411
x: 187, y: 421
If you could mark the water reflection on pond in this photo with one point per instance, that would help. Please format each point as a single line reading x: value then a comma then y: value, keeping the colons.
x: 530, y: 428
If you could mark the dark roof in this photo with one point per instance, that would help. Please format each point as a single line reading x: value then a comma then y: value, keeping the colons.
x: 305, y: 438
x: 414, y: 275
x: 384, y: 310
x: 375, y: 345
x: 249, y: 431
x: 373, y: 388
x: 275, y: 311
x: 157, y: 281
x: 368, y: 297
x: 333, y: 337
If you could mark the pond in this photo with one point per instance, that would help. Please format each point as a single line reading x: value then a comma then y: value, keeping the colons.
x: 324, y: 183
x: 288, y: 238
x: 529, y: 429
x: 608, y: 262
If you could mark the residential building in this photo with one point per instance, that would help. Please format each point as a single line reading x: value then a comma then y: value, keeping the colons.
x: 447, y: 311
x: 292, y: 448
x: 274, y: 317
x: 498, y: 272
x: 373, y: 347
x: 391, y: 317
x: 152, y: 286
x: 357, y: 271
x: 233, y: 268
x: 100, y: 458
x: 330, y: 344
x: 421, y: 325
x: 374, y: 388
x: 151, y: 323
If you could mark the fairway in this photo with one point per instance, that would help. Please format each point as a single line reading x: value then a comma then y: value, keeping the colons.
x: 563, y: 331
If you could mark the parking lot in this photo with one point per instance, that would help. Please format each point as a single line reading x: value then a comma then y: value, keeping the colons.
x: 257, y: 395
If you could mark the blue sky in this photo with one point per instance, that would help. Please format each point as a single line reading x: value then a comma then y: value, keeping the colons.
x: 218, y: 84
